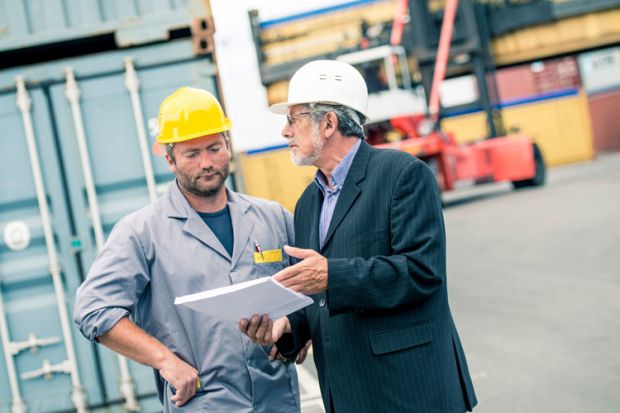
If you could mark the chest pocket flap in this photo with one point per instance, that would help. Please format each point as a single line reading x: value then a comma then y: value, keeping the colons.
x: 401, y: 339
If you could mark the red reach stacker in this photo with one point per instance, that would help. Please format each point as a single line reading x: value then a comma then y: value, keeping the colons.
x: 513, y: 157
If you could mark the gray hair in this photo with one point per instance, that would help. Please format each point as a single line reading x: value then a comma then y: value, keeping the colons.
x: 169, y: 147
x: 349, y: 120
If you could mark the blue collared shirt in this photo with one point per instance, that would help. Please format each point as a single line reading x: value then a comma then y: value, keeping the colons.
x: 330, y: 195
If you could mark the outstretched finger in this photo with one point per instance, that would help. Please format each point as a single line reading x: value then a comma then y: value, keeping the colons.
x: 299, y: 252
x: 285, y: 274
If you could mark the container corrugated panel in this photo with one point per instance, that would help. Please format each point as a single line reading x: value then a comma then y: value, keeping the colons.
x: 569, y: 35
x: 605, y: 120
x: 320, y: 34
x: 555, y: 74
x: 515, y: 82
x: 277, y: 92
x: 271, y: 174
x: 600, y: 69
x: 466, y: 128
x: 300, y: 25
x: 532, y: 79
x: 561, y: 126
x: 111, y: 137
x: 26, y: 23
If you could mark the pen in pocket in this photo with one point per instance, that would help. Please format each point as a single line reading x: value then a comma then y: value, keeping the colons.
x: 258, y: 249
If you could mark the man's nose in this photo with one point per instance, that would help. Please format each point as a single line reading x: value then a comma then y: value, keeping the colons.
x: 205, y: 160
x: 287, y: 131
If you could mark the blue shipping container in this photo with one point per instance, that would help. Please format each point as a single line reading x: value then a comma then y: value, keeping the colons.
x: 54, y: 113
x: 27, y: 23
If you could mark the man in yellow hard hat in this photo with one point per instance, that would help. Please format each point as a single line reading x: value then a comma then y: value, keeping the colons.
x: 198, y: 236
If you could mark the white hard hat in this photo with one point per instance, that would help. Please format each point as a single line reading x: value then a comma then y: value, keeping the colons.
x: 326, y: 81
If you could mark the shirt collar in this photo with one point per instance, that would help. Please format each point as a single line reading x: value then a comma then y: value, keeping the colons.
x: 340, y: 172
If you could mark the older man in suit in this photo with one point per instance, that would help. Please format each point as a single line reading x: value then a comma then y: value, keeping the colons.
x: 371, y: 243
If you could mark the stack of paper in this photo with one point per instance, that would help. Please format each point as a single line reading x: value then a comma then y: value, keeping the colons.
x: 243, y: 300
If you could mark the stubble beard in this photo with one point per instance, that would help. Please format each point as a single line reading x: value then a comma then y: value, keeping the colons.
x: 192, y: 185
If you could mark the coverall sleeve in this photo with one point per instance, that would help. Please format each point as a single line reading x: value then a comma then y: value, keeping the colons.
x: 113, y: 285
x: 414, y: 270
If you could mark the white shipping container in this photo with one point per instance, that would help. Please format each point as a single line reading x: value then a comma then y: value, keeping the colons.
x: 600, y: 70
x: 459, y: 91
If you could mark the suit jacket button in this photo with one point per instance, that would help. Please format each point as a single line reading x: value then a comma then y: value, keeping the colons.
x: 322, y: 302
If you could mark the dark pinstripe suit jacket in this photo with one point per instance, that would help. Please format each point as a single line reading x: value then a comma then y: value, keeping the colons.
x: 384, y: 339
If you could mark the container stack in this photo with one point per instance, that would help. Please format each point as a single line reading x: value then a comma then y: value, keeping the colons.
x: 600, y: 71
x: 80, y: 87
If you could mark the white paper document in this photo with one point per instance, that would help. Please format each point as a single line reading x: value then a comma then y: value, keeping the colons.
x: 237, y: 301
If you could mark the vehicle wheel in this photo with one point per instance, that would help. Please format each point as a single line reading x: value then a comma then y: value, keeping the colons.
x: 541, y: 172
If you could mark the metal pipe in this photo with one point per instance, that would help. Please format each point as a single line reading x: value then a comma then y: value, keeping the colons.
x: 404, y: 69
x: 132, y: 83
x: 17, y: 404
x: 390, y: 72
x: 443, y: 52
x: 72, y: 93
x: 25, y: 105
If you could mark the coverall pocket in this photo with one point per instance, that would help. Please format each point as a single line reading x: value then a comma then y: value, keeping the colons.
x: 194, y: 404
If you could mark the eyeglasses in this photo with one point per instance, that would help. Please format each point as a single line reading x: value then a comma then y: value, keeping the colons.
x: 290, y: 119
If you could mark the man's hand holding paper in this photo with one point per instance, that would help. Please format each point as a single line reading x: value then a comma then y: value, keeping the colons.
x: 263, y: 330
x: 237, y: 301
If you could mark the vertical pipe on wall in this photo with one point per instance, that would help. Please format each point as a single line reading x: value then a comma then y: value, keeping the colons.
x: 24, y: 104
x: 132, y: 83
x: 72, y: 93
x: 17, y: 404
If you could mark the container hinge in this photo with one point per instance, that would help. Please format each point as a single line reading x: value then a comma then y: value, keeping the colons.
x: 48, y: 370
x: 33, y: 343
x: 202, y: 35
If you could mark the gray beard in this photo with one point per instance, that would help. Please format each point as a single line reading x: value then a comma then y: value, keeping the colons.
x: 309, y: 160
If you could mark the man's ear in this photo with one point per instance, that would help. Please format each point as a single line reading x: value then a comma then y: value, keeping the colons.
x: 171, y: 164
x: 331, y: 124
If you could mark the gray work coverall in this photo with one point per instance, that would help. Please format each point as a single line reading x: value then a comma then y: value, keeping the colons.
x: 165, y: 250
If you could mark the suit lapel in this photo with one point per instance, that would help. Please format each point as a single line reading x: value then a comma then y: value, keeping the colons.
x: 350, y: 190
x: 315, y: 207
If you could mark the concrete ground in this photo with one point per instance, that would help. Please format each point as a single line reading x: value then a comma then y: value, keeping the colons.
x: 534, y: 284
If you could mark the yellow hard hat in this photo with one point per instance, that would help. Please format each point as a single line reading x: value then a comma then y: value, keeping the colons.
x: 190, y: 113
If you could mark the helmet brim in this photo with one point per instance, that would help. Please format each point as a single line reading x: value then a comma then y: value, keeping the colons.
x: 176, y: 139
x: 282, y: 108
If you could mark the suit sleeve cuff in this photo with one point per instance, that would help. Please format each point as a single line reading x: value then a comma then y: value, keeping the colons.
x: 290, y: 343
